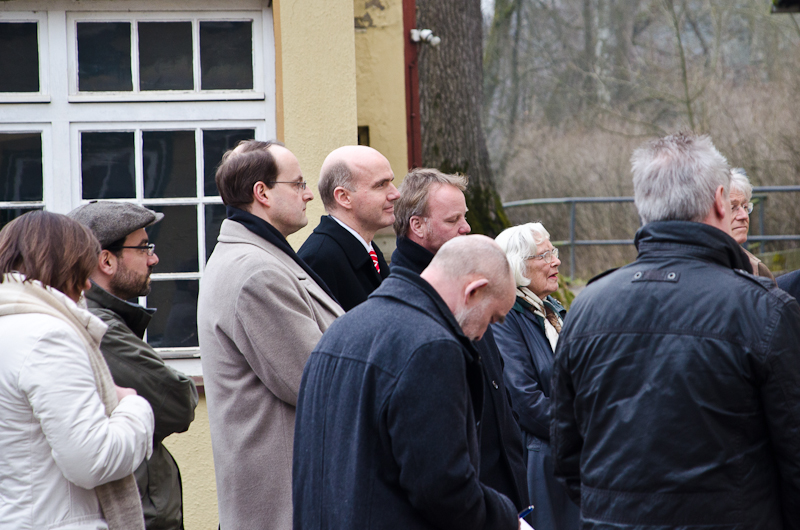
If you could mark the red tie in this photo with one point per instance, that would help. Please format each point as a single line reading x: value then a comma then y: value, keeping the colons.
x: 375, y: 260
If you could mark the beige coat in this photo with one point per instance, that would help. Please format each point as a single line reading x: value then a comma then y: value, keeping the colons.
x: 259, y: 316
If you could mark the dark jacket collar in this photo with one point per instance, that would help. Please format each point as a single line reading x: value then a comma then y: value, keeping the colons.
x: 135, y: 316
x: 685, y: 238
x: 411, y: 255
x: 269, y: 233
x: 352, y: 247
x: 407, y: 287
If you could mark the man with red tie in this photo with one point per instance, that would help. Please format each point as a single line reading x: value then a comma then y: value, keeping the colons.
x: 356, y: 188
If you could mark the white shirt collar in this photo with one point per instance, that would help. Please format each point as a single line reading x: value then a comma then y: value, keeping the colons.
x: 367, y: 246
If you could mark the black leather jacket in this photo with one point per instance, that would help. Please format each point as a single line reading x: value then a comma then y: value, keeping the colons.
x: 676, y: 391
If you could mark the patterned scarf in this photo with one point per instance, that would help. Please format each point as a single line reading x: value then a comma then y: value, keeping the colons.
x: 552, y: 321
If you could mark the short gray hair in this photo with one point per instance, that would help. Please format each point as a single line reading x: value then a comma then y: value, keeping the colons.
x: 519, y: 242
x: 335, y: 175
x: 675, y: 178
x: 415, y: 192
x: 739, y: 181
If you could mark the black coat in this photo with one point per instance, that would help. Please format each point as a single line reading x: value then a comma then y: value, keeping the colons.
x: 343, y: 263
x: 790, y: 283
x: 385, y: 432
x: 676, y: 391
x: 502, y: 457
x: 528, y: 361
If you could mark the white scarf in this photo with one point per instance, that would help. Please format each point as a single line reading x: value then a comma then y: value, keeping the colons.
x: 539, y: 309
x: 119, y: 500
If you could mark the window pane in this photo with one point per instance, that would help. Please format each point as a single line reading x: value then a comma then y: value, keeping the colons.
x: 226, y: 55
x: 107, y: 165
x: 165, y: 56
x: 19, y: 57
x: 6, y: 216
x: 215, y: 143
x: 215, y: 214
x: 175, y: 323
x: 169, y: 164
x: 175, y: 238
x: 104, y: 56
x: 21, y: 167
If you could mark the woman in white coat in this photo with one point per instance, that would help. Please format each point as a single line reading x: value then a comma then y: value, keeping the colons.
x: 69, y: 438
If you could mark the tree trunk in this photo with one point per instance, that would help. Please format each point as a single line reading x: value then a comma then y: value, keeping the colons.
x: 450, y: 95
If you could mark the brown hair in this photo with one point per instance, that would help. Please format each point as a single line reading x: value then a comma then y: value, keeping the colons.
x: 49, y: 247
x: 415, y: 192
x: 240, y: 169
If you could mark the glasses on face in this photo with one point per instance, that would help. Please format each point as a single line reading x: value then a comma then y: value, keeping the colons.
x: 546, y: 256
x: 299, y: 184
x: 150, y: 249
x: 747, y: 207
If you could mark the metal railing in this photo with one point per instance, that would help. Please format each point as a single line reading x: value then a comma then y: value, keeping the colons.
x: 759, y: 198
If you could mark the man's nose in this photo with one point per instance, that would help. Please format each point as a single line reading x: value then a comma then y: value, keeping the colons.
x: 394, y: 194
x: 464, y: 228
x: 152, y: 261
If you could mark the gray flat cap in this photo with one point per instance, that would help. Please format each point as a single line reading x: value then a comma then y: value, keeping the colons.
x: 111, y: 221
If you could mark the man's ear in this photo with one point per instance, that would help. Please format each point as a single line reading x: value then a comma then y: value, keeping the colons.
x: 473, y: 289
x: 417, y: 225
x: 261, y: 193
x: 107, y: 263
x: 721, y: 205
x: 343, y: 197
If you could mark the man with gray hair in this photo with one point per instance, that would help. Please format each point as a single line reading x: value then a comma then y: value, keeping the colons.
x: 431, y: 211
x: 386, y: 431
x: 355, y: 186
x: 676, y: 385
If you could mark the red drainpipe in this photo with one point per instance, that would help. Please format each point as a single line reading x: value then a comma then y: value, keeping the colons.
x: 413, y: 132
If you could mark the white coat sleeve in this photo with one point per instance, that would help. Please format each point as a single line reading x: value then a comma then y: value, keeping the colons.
x: 89, y: 448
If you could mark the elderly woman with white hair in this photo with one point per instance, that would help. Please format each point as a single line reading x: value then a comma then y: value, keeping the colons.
x: 740, y: 194
x: 526, y: 340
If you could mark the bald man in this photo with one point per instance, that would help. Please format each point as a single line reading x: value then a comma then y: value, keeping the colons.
x: 355, y: 186
x: 387, y: 416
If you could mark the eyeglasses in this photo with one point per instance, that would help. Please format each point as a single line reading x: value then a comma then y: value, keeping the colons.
x: 300, y: 185
x: 151, y: 248
x: 747, y: 207
x: 546, y: 256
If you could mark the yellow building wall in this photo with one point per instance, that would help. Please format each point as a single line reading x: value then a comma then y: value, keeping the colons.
x: 316, y: 87
x: 380, y: 78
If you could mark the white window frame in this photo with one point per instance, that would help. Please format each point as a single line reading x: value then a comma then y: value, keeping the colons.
x: 47, y: 164
x: 42, y: 32
x: 200, y: 200
x: 196, y: 94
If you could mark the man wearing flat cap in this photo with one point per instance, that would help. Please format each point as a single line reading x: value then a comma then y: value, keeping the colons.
x: 123, y: 273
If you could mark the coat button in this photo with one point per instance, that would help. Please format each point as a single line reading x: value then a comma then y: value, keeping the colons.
x: 495, y: 385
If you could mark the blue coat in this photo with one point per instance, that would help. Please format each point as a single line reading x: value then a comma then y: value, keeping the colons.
x: 385, y: 432
x: 528, y: 366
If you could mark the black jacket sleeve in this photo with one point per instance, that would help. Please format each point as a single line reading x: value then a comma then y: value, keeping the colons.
x: 780, y: 395
x: 565, y: 439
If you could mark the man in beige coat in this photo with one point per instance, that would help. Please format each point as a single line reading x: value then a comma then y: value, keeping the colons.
x: 261, y: 310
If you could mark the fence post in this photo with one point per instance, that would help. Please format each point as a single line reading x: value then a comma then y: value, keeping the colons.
x: 572, y: 239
